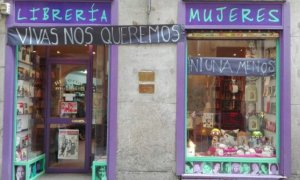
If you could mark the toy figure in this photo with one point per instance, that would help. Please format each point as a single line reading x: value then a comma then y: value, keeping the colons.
x: 228, y: 137
x: 242, y: 138
x: 215, y: 133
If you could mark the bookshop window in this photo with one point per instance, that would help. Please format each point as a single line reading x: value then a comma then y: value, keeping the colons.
x: 231, y: 95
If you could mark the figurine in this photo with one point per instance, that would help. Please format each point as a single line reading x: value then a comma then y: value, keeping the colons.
x: 242, y: 138
x: 215, y: 133
x: 228, y: 137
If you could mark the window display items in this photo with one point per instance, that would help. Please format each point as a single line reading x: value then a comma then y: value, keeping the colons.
x: 191, y: 149
x: 215, y: 133
x: 20, y: 173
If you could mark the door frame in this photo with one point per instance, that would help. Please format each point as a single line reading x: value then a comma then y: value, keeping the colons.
x: 88, y: 115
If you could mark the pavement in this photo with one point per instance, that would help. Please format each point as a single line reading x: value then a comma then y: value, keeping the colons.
x: 66, y: 177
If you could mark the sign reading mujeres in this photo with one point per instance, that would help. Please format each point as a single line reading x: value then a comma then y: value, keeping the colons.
x: 236, y: 13
x: 231, y: 66
x: 82, y: 35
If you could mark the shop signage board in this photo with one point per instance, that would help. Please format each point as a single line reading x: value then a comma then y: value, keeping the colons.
x: 62, y: 12
x: 83, y: 35
x: 235, y: 13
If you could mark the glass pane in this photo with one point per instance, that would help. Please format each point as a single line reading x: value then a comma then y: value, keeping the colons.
x: 69, y: 52
x: 100, y: 78
x: 68, y: 84
x: 67, y: 148
x: 30, y: 104
x: 231, y: 116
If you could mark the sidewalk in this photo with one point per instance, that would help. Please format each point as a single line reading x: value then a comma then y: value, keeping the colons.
x: 66, y: 177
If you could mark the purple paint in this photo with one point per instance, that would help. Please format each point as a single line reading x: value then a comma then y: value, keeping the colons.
x: 113, y: 102
x: 285, y: 96
x: 62, y: 12
x: 233, y: 14
x: 180, y: 107
x: 8, y: 117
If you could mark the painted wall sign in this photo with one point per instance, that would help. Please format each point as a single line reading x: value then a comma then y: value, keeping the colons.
x: 118, y: 35
x: 233, y: 14
x: 231, y: 66
x: 62, y: 12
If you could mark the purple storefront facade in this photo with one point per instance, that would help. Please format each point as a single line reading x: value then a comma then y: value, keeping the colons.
x: 216, y: 16
x: 51, y: 16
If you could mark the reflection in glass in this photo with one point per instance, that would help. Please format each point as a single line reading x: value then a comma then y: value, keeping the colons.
x: 100, y: 84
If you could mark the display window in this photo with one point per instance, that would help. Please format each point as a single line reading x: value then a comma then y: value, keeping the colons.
x: 232, y: 106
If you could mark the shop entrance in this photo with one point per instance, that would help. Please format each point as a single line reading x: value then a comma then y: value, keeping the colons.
x: 68, y: 119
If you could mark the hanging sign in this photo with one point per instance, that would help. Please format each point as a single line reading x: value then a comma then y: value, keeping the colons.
x: 62, y: 12
x: 250, y: 14
x: 68, y: 108
x: 68, y: 144
x: 231, y: 66
x: 84, y: 35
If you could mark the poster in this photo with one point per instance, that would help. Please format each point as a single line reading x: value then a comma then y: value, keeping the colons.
x: 68, y: 108
x: 68, y: 144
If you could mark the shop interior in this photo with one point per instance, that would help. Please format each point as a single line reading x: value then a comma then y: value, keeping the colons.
x: 231, y: 116
x: 61, y: 107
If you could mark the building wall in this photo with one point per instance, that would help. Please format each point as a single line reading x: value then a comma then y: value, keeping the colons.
x: 295, y: 76
x: 146, y: 122
x: 2, y: 65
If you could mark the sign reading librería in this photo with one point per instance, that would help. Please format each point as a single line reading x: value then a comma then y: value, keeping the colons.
x: 82, y: 35
x: 250, y: 14
x: 231, y: 66
x: 62, y: 12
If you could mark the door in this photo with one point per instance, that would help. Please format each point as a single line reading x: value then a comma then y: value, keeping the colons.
x: 68, y: 121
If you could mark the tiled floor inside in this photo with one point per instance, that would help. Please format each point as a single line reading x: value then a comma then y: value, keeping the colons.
x: 66, y: 177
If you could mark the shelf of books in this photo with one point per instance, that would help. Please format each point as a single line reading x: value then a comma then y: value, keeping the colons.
x: 29, y: 122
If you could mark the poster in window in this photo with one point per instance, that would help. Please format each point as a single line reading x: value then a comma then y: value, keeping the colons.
x: 68, y: 143
x: 68, y: 108
x: 208, y: 120
x: 253, y: 123
x: 251, y: 93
